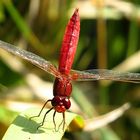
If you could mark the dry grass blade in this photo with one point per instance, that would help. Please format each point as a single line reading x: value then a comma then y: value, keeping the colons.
x: 106, y: 119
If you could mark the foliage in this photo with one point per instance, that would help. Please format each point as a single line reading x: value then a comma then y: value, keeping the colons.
x: 104, y: 43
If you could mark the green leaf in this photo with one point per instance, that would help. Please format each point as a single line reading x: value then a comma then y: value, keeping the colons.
x: 23, y: 128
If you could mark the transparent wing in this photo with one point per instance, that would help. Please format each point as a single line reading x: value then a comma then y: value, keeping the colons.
x: 33, y: 58
x: 103, y: 74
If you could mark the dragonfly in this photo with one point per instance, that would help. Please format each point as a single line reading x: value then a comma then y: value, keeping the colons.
x: 64, y: 75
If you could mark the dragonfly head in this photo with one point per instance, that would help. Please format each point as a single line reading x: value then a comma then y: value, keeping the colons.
x: 60, y: 103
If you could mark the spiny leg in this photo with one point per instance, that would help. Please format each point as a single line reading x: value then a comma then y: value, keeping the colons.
x: 44, y: 118
x: 41, y: 110
x: 63, y: 121
x: 54, y: 120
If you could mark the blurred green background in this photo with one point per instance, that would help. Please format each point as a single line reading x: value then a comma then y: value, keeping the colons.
x: 109, y: 38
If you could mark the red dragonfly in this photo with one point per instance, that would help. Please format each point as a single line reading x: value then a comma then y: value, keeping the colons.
x: 64, y: 75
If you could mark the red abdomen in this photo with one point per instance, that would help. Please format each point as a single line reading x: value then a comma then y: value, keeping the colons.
x: 69, y: 44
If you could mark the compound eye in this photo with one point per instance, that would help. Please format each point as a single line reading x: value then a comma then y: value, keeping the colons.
x: 56, y: 101
x: 66, y: 103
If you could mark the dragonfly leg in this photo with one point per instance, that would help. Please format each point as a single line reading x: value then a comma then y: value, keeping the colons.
x: 42, y: 123
x: 40, y: 110
x: 62, y: 122
x: 54, y: 120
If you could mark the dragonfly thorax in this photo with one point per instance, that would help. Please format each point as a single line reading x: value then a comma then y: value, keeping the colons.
x: 62, y: 87
x: 60, y: 103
